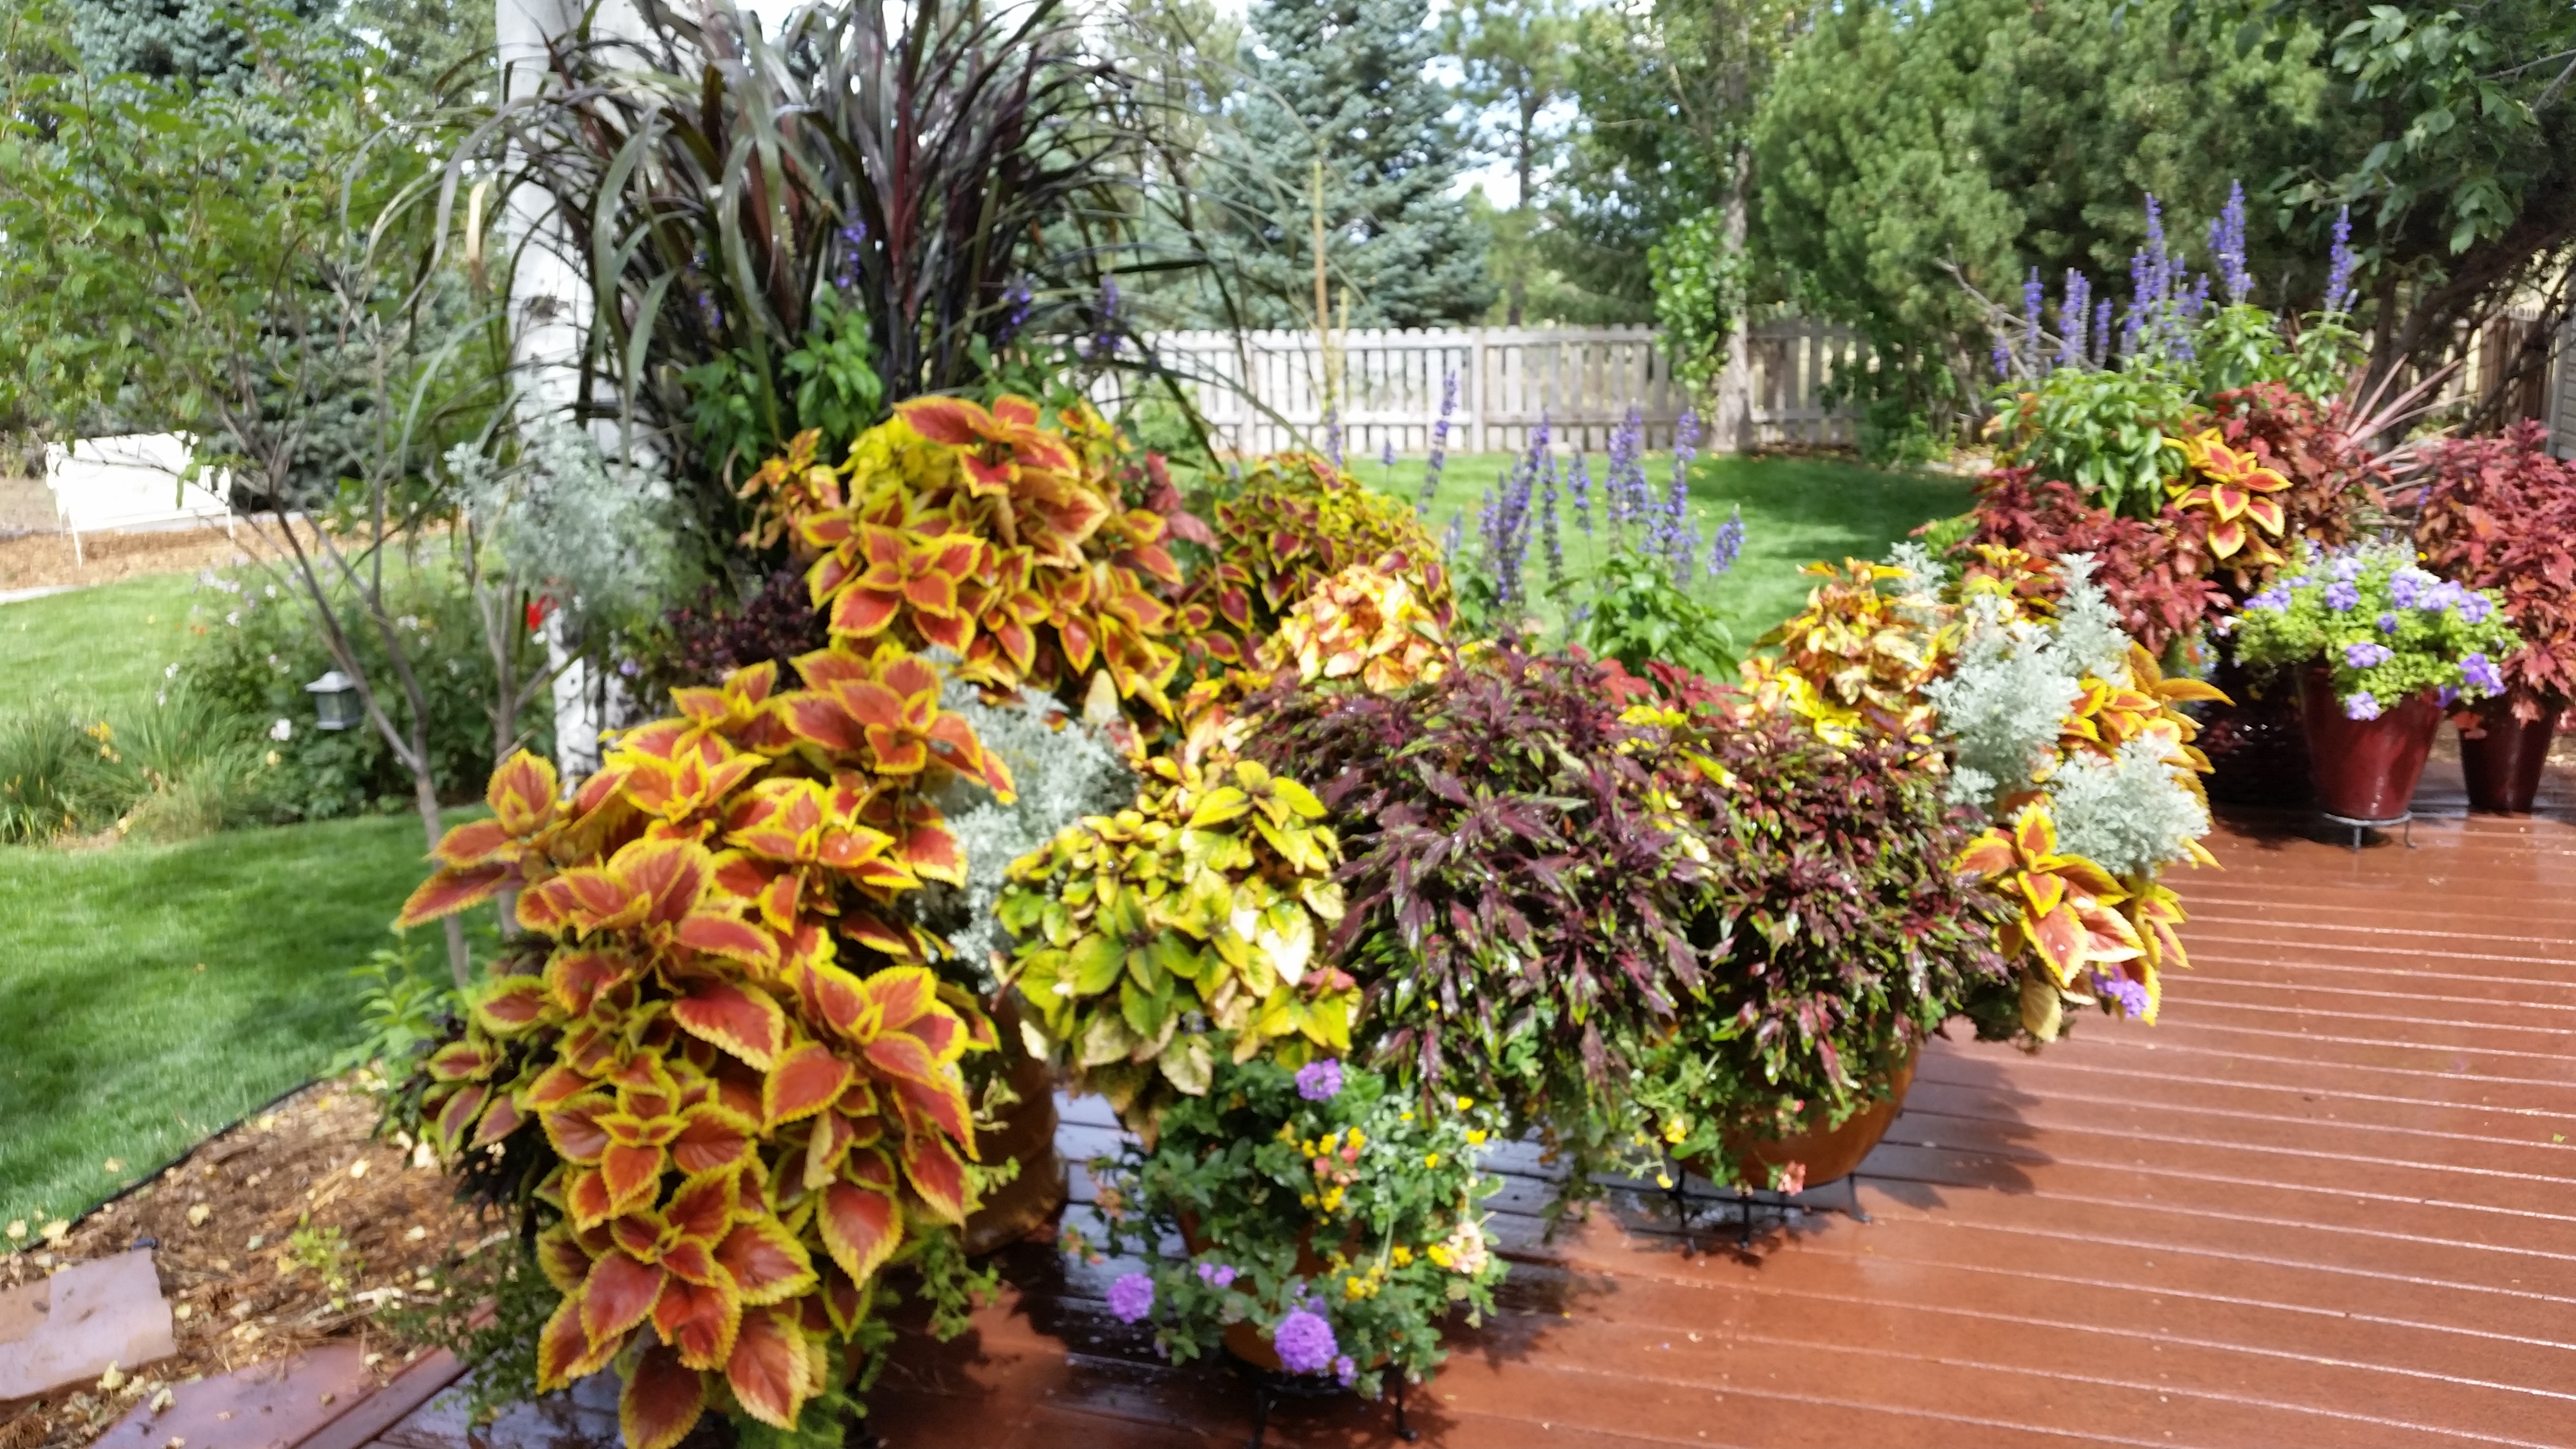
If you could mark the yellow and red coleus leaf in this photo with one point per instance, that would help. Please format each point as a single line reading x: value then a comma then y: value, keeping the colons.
x: 936, y: 1175
x: 565, y: 1351
x: 861, y: 1223
x: 663, y: 1398
x: 770, y: 1372
x: 736, y: 1016
x: 511, y: 1005
x: 448, y: 891
x: 715, y: 1137
x: 618, y: 1295
x: 522, y: 792
x: 807, y: 1078
x: 765, y: 1261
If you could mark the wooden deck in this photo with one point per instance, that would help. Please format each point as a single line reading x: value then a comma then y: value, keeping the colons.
x: 2326, y: 1202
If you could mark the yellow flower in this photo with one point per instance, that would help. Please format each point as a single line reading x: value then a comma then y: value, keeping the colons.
x: 1287, y: 1133
x: 1358, y: 1138
x: 1407, y: 1117
x: 1354, y: 1288
x: 1432, y: 1160
x: 1663, y: 1179
x: 1307, y: 1201
x: 1439, y: 1253
x: 1466, y: 1104
x: 1475, y: 1136
x: 1675, y: 1130
x: 1403, y: 1256
x: 1333, y: 1200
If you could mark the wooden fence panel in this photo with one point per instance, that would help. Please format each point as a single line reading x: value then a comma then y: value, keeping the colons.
x: 1262, y: 391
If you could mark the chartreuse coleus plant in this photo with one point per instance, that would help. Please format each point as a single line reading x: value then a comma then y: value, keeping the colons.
x: 1186, y: 927
x: 1332, y: 1211
x: 990, y: 534
x: 1294, y: 522
x: 1855, y: 660
x: 1365, y: 626
x: 727, y: 1062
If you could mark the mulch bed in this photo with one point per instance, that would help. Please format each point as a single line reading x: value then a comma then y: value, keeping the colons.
x: 247, y: 1232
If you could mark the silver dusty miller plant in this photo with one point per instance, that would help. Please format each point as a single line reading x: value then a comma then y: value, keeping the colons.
x: 1063, y: 769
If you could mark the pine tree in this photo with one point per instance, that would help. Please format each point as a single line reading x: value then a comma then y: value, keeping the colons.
x: 196, y: 40
x: 1342, y: 82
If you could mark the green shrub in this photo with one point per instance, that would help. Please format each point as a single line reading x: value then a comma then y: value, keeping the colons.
x: 51, y: 776
x: 1894, y: 432
x: 257, y: 647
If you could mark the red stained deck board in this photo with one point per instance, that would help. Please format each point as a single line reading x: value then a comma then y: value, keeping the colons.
x: 2324, y: 1202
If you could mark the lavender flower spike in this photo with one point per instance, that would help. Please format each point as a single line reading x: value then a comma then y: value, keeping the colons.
x: 2341, y: 262
x: 1386, y: 455
x: 1439, y: 445
x: 1580, y: 485
x: 1730, y: 544
x: 2227, y: 246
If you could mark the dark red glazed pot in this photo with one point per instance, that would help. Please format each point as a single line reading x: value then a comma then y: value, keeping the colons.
x: 2365, y: 769
x: 2503, y: 759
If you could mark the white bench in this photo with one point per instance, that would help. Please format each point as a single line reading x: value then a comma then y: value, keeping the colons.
x: 133, y: 482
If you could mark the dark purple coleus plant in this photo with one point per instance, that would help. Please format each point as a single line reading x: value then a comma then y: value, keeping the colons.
x: 1518, y: 911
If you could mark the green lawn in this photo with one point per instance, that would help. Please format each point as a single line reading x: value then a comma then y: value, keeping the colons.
x: 1796, y: 510
x: 156, y: 992
x: 116, y: 1045
x: 99, y: 645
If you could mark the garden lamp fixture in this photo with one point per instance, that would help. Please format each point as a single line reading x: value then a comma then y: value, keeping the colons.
x: 335, y: 701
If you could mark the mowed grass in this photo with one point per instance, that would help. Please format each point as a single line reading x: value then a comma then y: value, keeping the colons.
x: 114, y: 1045
x: 99, y: 645
x: 157, y: 992
x: 1796, y: 511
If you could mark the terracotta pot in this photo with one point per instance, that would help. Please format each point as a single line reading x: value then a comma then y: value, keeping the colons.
x: 1828, y: 1154
x: 1027, y: 1136
x: 2365, y: 769
x: 2503, y: 759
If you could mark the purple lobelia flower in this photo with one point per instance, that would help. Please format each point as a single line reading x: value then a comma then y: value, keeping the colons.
x: 1320, y: 1080
x: 1305, y: 1343
x: 1131, y: 1298
x: 2361, y: 706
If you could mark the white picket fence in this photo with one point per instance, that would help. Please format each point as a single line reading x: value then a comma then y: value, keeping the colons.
x: 1263, y: 391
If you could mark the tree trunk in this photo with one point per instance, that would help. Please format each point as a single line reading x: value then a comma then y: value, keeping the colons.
x: 1733, y: 432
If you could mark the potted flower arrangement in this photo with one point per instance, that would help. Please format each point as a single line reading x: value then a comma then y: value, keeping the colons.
x: 2381, y: 647
x: 1319, y: 1222
x: 1843, y: 936
x: 2499, y: 514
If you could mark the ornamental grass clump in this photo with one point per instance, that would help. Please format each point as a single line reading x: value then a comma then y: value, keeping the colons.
x: 1842, y: 936
x: 1324, y: 1213
x: 2383, y: 628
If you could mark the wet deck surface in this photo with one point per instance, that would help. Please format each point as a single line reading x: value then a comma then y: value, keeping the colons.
x: 2326, y: 1201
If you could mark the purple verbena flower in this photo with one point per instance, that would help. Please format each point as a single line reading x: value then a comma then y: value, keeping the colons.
x: 1131, y: 1298
x: 1320, y: 1080
x: 1305, y: 1343
x: 2361, y: 706
x: 2367, y: 655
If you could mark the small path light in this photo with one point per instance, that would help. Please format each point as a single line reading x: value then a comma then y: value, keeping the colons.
x: 335, y: 701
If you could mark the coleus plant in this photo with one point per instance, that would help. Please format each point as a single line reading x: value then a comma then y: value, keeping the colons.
x: 1364, y: 625
x: 1843, y: 933
x: 2500, y: 514
x: 990, y: 534
x: 1855, y: 660
x: 1186, y: 925
x: 1515, y: 879
x: 1295, y: 521
x: 2156, y: 574
x: 736, y: 1065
